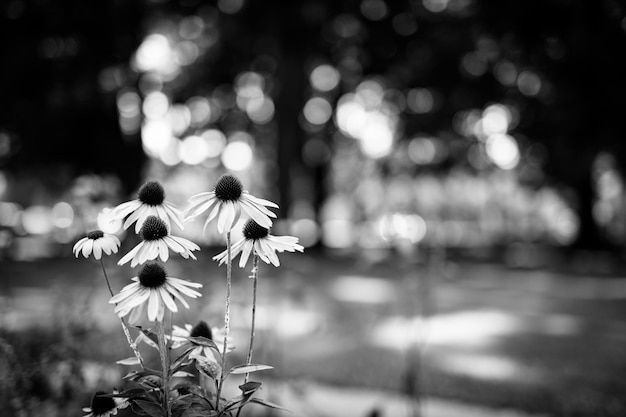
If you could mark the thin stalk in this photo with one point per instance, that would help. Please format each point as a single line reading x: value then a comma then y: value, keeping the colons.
x: 129, y: 338
x: 255, y: 279
x: 165, y: 365
x: 229, y: 268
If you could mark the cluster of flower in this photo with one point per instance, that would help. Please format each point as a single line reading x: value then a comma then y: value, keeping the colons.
x: 153, y: 291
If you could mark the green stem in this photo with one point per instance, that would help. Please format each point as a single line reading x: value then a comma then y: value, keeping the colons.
x: 165, y: 364
x: 226, y: 318
x: 255, y: 279
x: 129, y: 338
x: 255, y: 276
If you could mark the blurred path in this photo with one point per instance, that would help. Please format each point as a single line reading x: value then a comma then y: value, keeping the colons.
x: 489, y: 335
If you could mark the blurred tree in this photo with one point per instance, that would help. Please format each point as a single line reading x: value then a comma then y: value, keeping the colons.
x: 558, y: 65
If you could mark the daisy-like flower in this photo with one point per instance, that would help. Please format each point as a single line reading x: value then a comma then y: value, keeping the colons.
x: 155, y: 290
x: 258, y: 238
x: 180, y: 336
x: 150, y: 202
x: 96, y: 242
x: 156, y: 243
x: 226, y: 202
x: 105, y: 406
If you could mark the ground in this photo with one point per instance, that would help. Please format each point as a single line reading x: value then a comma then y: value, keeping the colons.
x: 352, y: 335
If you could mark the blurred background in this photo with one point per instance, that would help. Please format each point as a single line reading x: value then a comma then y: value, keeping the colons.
x: 452, y: 167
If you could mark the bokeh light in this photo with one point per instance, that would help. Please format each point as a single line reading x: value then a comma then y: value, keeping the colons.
x: 324, y: 78
x: 237, y: 156
x: 503, y: 150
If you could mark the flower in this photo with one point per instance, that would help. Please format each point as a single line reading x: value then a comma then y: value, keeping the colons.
x: 150, y: 202
x: 156, y: 242
x: 180, y: 335
x: 105, y: 406
x: 96, y: 242
x: 154, y: 289
x: 226, y: 202
x: 265, y: 245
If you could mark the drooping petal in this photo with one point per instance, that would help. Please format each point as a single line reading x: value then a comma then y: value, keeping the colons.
x: 87, y: 247
x: 258, y: 216
x: 260, y: 200
x: 97, y: 248
x: 167, y: 299
x: 78, y: 246
x: 245, y: 253
x: 131, y: 254
x: 153, y: 305
x: 124, y: 209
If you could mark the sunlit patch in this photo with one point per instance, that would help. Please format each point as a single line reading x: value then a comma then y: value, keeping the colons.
x: 216, y: 141
x: 411, y: 227
x: 420, y: 100
x: 156, y: 136
x: 62, y: 215
x: 288, y: 321
x: 495, y: 119
x: 487, y: 367
x: 435, y: 6
x: 505, y: 73
x: 338, y: 233
x: 529, y: 83
x: 307, y: 230
x: 464, y: 328
x: 199, y: 110
x: 317, y: 111
x: 156, y: 54
x: 37, y: 220
x: 374, y: 9
x: 424, y: 150
x: 230, y: 6
x: 155, y: 105
x: 9, y: 214
x: 367, y: 117
x: 565, y: 225
x: 260, y: 109
x: 324, y: 78
x: 503, y: 151
x: 367, y: 290
x: 474, y: 64
x: 237, y: 156
x: 179, y: 117
x: 193, y: 150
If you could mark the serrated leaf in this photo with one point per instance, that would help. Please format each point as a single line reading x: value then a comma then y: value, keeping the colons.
x: 246, y: 369
x: 250, y: 387
x: 129, y: 361
x: 152, y: 409
x: 268, y: 404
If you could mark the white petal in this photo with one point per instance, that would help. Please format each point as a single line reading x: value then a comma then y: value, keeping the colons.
x: 130, y: 255
x: 245, y: 254
x: 164, y: 253
x: 78, y: 246
x: 124, y: 209
x: 260, y: 200
x: 153, y: 305
x: 87, y: 247
x: 97, y: 249
x: 255, y: 214
x: 167, y: 299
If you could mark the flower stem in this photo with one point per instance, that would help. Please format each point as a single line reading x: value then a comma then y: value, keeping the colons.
x: 226, y: 317
x: 254, y: 276
x: 165, y: 364
x: 255, y: 279
x: 129, y: 338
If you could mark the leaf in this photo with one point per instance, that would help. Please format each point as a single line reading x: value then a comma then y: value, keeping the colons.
x: 181, y: 361
x: 129, y: 361
x: 150, y: 334
x: 200, y: 340
x: 152, y: 409
x: 268, y: 404
x: 246, y: 369
x: 249, y: 387
x: 182, y: 374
